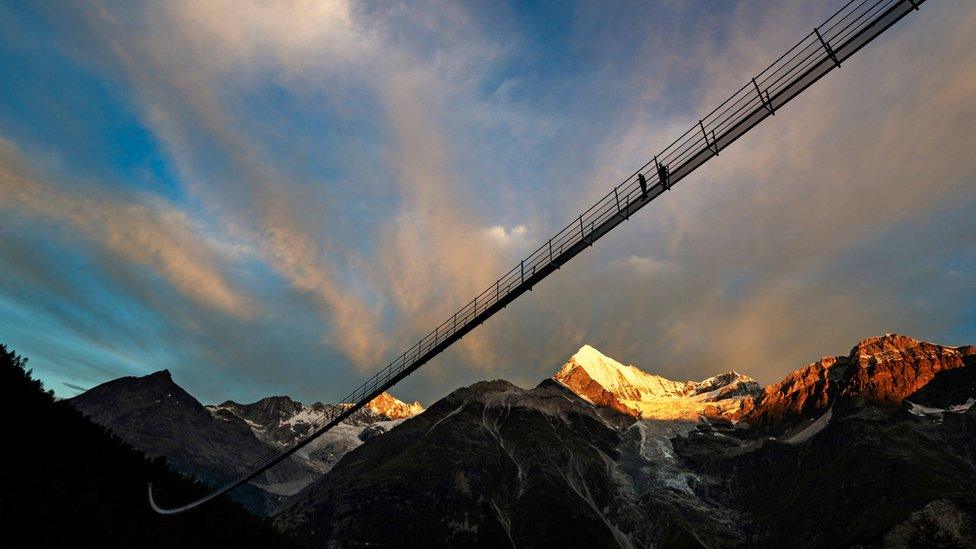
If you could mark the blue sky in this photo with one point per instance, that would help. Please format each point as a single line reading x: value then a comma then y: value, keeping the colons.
x: 278, y: 198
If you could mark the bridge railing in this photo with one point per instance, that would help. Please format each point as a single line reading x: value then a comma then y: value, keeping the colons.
x: 707, y: 138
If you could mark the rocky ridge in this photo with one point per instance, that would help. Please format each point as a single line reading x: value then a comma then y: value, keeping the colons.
x: 885, y: 369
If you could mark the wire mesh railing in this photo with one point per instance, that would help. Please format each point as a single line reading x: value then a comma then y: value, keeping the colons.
x: 840, y: 36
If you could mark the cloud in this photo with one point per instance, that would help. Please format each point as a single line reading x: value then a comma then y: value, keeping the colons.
x: 189, y: 65
x: 244, y: 36
x: 506, y: 237
x: 151, y: 234
x: 364, y: 170
x: 429, y: 255
x: 433, y: 255
x: 747, y: 257
x: 647, y: 266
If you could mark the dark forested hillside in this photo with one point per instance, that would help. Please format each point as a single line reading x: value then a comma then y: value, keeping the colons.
x: 68, y: 482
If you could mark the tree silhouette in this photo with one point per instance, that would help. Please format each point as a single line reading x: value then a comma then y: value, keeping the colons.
x: 69, y: 482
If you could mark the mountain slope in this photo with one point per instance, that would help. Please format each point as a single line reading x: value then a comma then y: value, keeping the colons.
x: 70, y: 483
x: 494, y: 465
x: 388, y: 407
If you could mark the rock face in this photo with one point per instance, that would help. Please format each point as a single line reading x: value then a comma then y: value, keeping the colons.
x: 605, y: 382
x: 884, y: 369
x: 803, y: 393
x: 496, y: 465
x: 270, y: 418
x: 892, y: 367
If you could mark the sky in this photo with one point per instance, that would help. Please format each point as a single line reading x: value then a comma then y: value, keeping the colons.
x: 274, y: 198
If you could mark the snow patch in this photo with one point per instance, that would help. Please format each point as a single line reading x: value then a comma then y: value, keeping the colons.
x: 654, y: 446
x: 810, y: 430
x: 919, y: 410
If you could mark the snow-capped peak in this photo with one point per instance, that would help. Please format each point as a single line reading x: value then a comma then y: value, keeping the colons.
x: 626, y: 381
x: 277, y: 420
x: 393, y: 408
x: 605, y: 381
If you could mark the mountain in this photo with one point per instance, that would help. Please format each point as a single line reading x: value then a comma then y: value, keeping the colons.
x: 389, y: 407
x: 881, y: 369
x: 68, y: 482
x: 486, y: 465
x: 871, y: 448
x: 885, y: 369
x: 156, y: 416
x: 216, y: 443
x: 880, y: 455
x: 603, y: 381
x: 277, y: 420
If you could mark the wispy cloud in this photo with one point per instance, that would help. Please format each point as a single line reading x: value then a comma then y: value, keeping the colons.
x: 181, y: 68
x: 151, y: 234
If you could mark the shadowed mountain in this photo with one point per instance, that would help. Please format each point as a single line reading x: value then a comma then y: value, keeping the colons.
x: 486, y: 465
x: 155, y: 415
x: 216, y: 443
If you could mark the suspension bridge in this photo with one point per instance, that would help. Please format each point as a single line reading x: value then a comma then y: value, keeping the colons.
x: 842, y: 35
